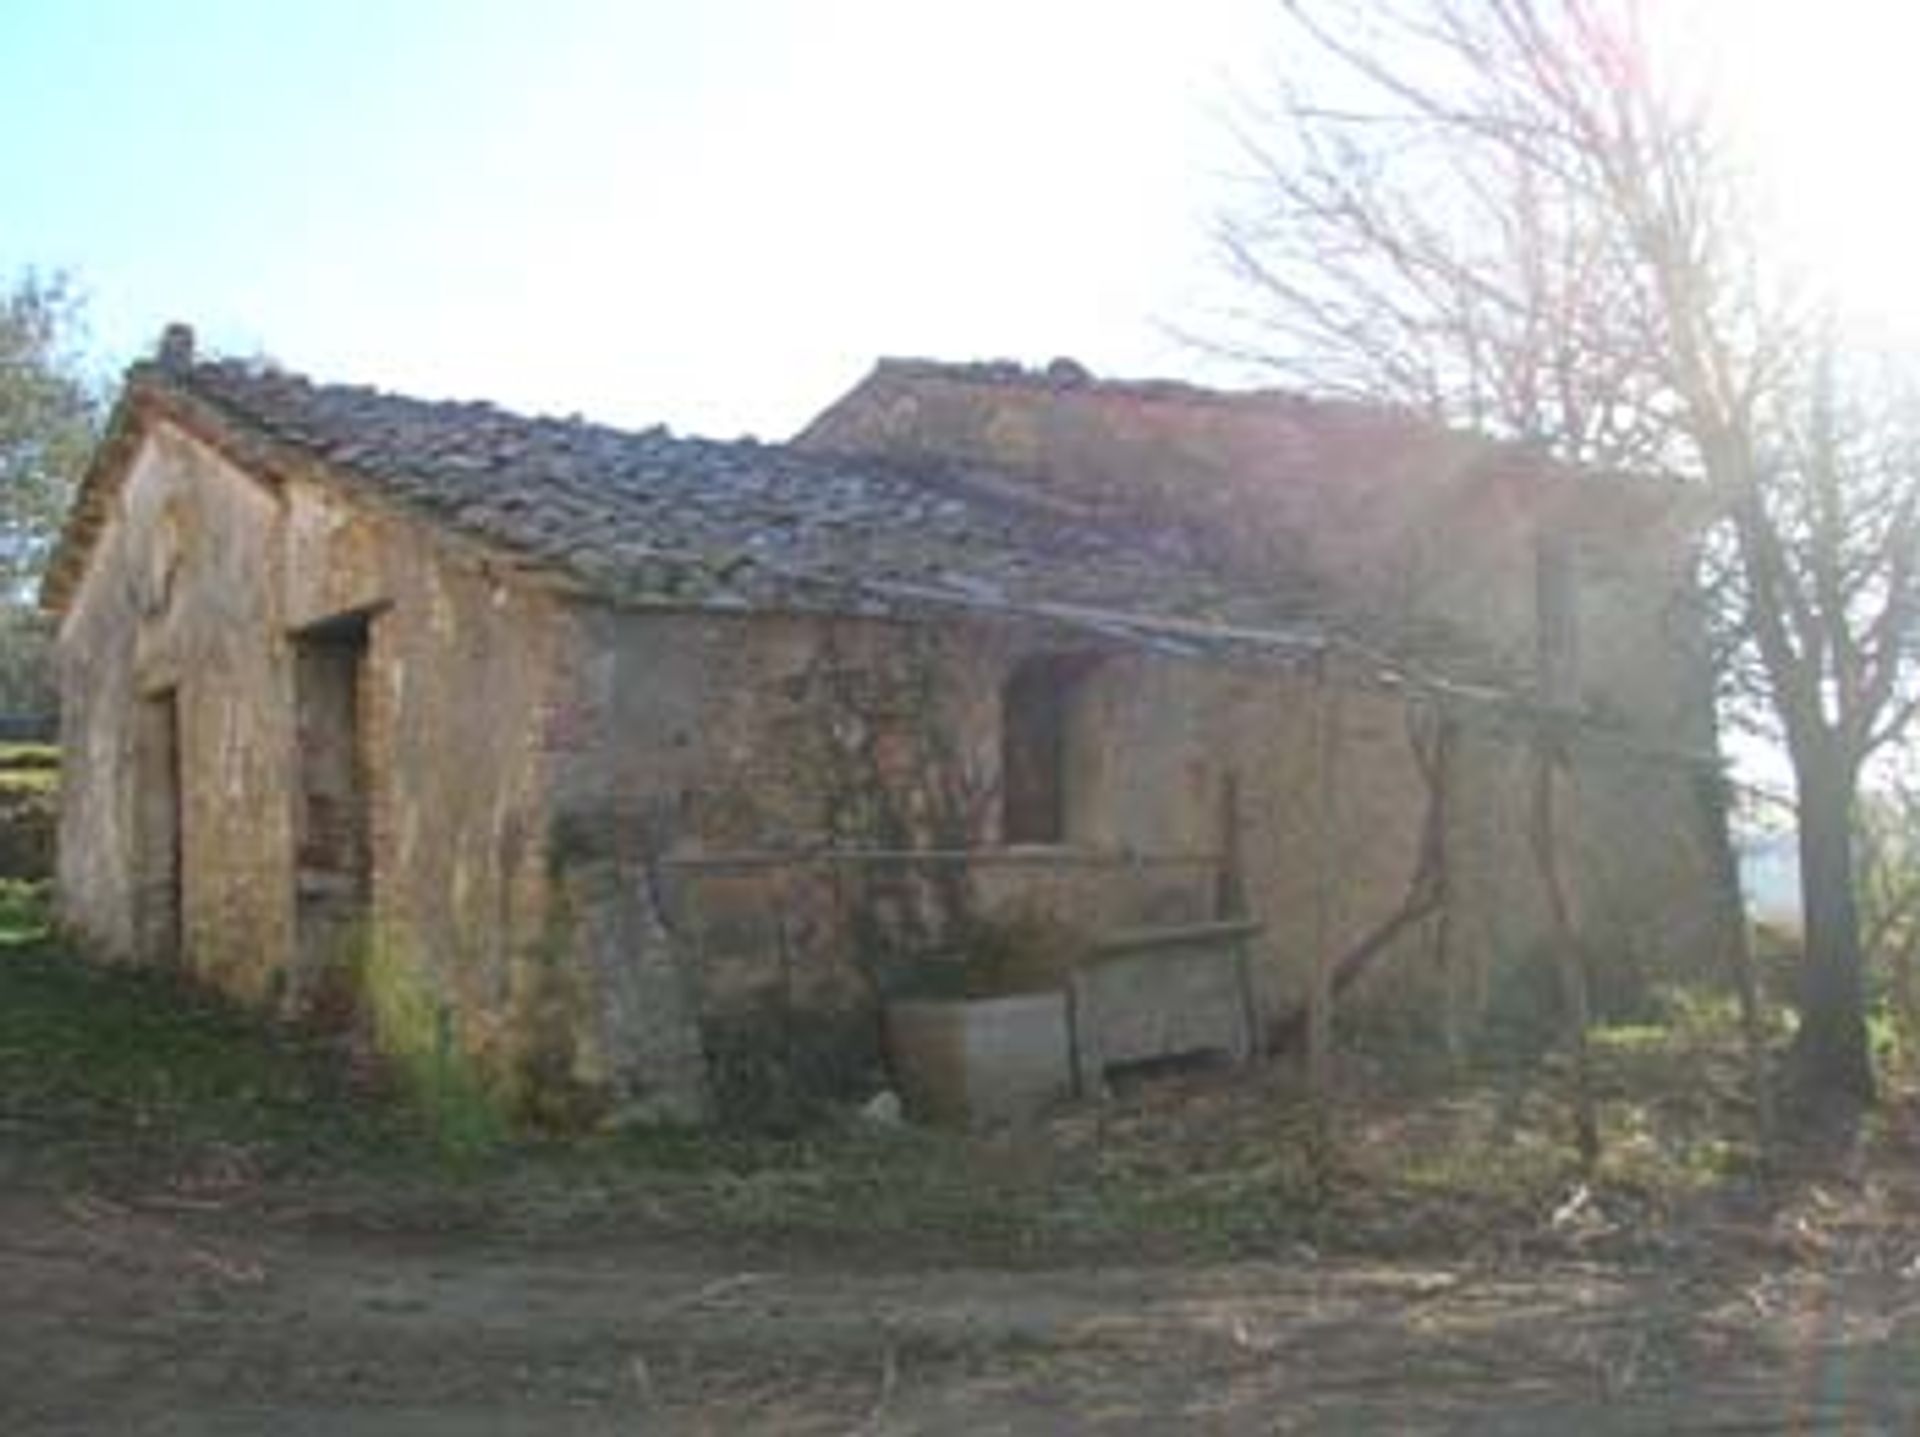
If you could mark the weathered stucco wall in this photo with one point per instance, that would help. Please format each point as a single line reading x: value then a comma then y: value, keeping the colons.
x: 774, y: 821
x: 674, y: 859
x: 182, y: 597
x: 200, y: 587
x: 766, y: 817
x: 464, y: 673
x: 709, y: 748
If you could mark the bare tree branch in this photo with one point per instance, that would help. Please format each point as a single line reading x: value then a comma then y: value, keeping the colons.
x: 1509, y: 215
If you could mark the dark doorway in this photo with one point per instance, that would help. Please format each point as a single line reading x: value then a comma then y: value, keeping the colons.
x: 332, y: 856
x: 1033, y: 717
x: 158, y: 907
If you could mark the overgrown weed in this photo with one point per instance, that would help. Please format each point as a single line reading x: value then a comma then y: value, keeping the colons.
x: 108, y: 1071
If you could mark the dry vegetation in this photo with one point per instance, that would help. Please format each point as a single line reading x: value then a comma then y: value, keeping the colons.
x: 213, y: 1223
x: 117, y: 1081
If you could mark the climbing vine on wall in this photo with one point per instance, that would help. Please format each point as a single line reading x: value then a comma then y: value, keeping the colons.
x: 899, y: 784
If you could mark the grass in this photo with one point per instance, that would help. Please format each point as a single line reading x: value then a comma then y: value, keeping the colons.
x: 133, y: 1078
x: 24, y: 913
x: 121, y: 1072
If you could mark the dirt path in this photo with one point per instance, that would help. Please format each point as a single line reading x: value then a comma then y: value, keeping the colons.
x: 138, y: 1320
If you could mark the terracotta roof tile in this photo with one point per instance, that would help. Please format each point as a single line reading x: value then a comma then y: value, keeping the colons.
x: 646, y: 516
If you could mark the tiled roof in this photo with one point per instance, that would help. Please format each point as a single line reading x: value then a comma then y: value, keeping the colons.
x: 1265, y: 437
x: 648, y: 517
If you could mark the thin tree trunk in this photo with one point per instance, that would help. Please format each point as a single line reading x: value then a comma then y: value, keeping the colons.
x: 1830, y: 1053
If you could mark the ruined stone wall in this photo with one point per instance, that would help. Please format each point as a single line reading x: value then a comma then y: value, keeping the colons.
x: 463, y: 696
x: 1272, y: 484
x: 786, y: 818
x: 1643, y: 659
x: 778, y: 821
x: 182, y: 596
x: 607, y: 848
x: 1640, y: 846
x: 1402, y: 527
x: 1166, y: 735
x: 1410, y: 530
x: 1174, y: 735
x: 1161, y: 738
x: 714, y: 746
x: 198, y: 587
x: 773, y: 822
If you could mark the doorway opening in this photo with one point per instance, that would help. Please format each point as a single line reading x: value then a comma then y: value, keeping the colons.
x: 332, y: 854
x: 159, y: 917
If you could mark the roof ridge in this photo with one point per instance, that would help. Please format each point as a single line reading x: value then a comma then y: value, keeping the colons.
x: 268, y: 372
x: 1065, y: 375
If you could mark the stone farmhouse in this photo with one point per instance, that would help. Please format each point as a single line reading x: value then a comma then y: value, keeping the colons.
x: 623, y: 771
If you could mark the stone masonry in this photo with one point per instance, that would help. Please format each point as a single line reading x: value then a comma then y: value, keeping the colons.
x: 619, y: 773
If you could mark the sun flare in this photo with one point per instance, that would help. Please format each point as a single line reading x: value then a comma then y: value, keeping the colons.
x: 1823, y: 101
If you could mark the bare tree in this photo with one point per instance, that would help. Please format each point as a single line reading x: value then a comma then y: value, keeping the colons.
x: 1512, y: 214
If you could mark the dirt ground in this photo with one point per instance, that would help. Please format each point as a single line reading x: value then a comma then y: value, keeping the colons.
x: 183, y: 1316
x: 205, y: 1231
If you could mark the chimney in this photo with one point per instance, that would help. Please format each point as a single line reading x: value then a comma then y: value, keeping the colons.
x: 175, y: 354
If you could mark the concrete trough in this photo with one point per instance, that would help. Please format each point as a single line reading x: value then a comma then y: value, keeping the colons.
x: 975, y: 1062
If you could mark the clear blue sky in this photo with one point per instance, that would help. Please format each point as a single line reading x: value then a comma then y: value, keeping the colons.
x: 715, y: 213
x: 718, y: 213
